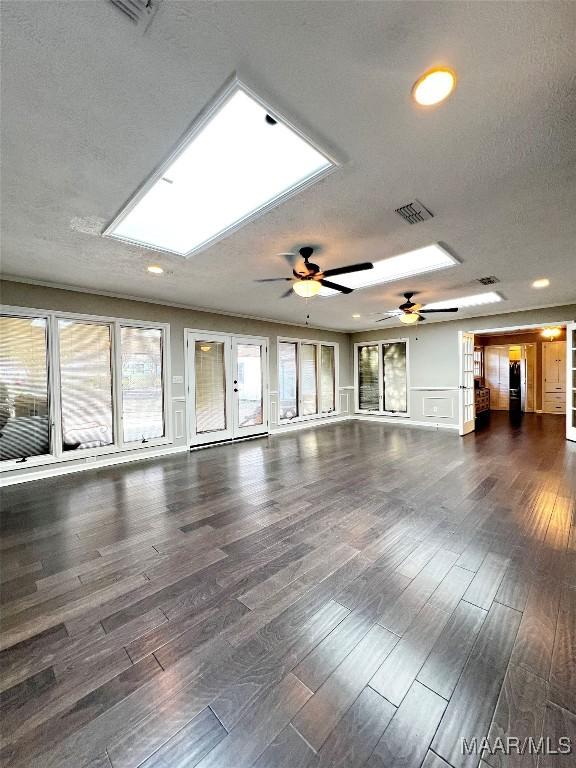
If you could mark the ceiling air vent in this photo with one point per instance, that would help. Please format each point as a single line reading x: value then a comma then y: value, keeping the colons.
x: 139, y: 12
x: 489, y: 280
x: 414, y: 212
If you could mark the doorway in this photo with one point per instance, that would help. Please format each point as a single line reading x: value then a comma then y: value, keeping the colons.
x: 525, y: 370
x: 227, y: 386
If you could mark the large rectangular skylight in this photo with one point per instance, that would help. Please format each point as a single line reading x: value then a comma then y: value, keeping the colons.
x: 418, y: 262
x: 239, y: 159
x: 466, y: 301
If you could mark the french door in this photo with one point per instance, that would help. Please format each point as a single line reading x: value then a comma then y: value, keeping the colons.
x: 227, y: 386
x: 466, y: 388
x: 571, y: 381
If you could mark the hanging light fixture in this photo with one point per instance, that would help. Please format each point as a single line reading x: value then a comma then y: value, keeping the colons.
x: 306, y: 288
x: 551, y: 333
x: 409, y: 318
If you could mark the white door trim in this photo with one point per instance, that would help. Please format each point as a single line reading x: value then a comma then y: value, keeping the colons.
x: 467, y: 416
x: 571, y: 381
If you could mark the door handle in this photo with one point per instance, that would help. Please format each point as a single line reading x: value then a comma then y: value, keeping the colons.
x: 235, y: 390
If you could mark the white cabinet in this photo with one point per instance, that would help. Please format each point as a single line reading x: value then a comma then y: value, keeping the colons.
x: 554, y: 377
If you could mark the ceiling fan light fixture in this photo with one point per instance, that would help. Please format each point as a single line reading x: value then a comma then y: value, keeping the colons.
x: 434, y: 86
x: 551, y: 333
x: 409, y: 318
x: 306, y: 288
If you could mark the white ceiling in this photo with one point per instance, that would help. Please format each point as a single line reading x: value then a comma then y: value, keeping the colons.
x: 91, y: 105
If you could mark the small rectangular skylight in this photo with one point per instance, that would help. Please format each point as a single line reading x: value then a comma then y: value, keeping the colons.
x: 238, y: 160
x: 418, y: 262
x: 466, y: 301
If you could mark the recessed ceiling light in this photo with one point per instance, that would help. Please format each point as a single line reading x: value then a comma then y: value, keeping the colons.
x: 551, y: 333
x: 236, y: 162
x: 355, y: 317
x: 466, y: 301
x: 417, y: 262
x: 154, y: 269
x: 434, y: 86
x: 543, y: 282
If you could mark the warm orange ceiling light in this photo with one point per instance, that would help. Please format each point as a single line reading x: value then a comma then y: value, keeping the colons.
x: 434, y: 86
x: 551, y: 333
x: 306, y: 288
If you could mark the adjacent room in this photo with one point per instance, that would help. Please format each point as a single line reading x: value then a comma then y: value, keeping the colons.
x: 287, y: 384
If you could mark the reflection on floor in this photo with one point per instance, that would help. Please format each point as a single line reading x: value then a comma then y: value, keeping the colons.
x: 357, y: 594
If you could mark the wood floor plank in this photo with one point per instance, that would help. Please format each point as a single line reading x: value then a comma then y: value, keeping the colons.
x: 444, y: 664
x: 485, y: 584
x: 406, y: 740
x: 560, y: 728
x: 563, y: 670
x: 353, y: 739
x: 470, y: 709
x: 338, y: 692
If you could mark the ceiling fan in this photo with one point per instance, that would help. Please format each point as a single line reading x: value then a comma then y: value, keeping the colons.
x: 411, y: 312
x: 309, y: 278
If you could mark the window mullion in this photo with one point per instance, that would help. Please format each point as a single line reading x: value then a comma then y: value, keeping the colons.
x: 54, y: 385
x: 117, y: 385
x: 381, y: 376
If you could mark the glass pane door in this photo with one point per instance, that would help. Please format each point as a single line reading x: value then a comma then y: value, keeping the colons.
x: 142, y: 388
x: 212, y: 420
x: 249, y: 361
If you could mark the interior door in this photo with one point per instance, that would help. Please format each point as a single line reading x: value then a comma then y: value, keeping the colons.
x: 249, y: 386
x: 467, y: 408
x: 571, y: 381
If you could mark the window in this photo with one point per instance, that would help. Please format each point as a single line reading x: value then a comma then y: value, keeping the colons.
x: 307, y: 379
x: 287, y: 379
x: 24, y: 398
x: 368, y: 367
x: 85, y: 384
x: 327, y: 380
x: 142, y: 390
x: 382, y: 377
x: 71, y: 384
x: 236, y: 161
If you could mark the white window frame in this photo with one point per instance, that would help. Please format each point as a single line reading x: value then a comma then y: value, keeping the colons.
x: 58, y: 455
x: 380, y: 411
x: 318, y: 345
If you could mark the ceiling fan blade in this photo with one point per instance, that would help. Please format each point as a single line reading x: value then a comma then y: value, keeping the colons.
x: 388, y: 317
x: 291, y: 258
x: 348, y: 269
x: 420, y: 318
x: 272, y: 279
x: 335, y: 286
x: 287, y: 293
x: 448, y: 309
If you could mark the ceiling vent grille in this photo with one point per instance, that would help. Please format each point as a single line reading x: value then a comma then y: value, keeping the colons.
x: 139, y: 12
x: 414, y: 212
x: 489, y: 280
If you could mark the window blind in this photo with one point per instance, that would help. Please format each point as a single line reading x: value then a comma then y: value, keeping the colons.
x: 327, y: 379
x: 142, y: 388
x: 24, y: 414
x: 368, y: 365
x: 85, y: 384
x: 309, y: 393
x: 395, y: 378
x: 210, y: 380
x: 288, y: 384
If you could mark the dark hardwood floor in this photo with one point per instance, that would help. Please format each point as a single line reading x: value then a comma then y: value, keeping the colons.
x: 354, y: 595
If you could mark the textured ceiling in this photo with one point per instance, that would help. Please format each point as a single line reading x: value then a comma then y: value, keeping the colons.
x: 90, y: 106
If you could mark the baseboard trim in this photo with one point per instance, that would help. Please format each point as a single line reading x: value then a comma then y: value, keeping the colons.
x: 307, y: 424
x: 399, y: 421
x: 66, y: 468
